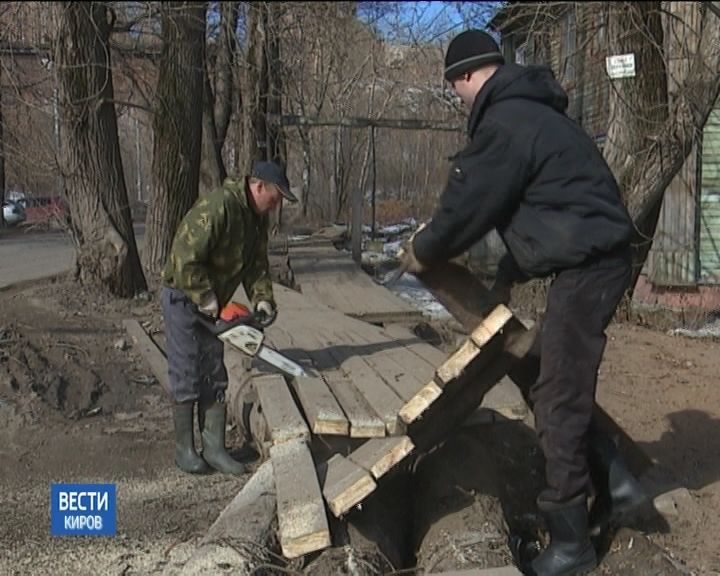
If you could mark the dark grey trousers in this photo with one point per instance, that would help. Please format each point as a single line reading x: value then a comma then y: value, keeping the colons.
x: 580, y: 304
x: 195, y: 357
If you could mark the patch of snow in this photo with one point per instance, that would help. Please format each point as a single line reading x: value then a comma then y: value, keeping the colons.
x: 374, y: 258
x: 391, y: 248
x: 410, y: 289
x: 710, y: 330
x: 394, y: 229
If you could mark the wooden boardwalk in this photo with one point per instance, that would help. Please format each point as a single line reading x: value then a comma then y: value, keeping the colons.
x: 370, y: 385
x: 331, y: 277
x: 375, y: 395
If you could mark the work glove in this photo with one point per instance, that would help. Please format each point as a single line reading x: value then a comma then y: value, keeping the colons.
x: 406, y: 254
x: 265, y: 313
x: 408, y: 260
x: 508, y: 275
x: 209, y: 305
x: 501, y: 291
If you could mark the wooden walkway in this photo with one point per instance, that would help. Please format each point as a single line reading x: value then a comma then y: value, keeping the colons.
x: 367, y: 384
x: 374, y: 395
x: 331, y: 277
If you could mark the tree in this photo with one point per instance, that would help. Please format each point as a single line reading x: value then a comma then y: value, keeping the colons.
x: 638, y: 108
x: 2, y: 154
x: 218, y: 101
x: 177, y: 125
x: 90, y: 160
x: 657, y: 116
x: 254, y: 102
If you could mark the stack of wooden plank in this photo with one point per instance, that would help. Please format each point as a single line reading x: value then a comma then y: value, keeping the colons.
x: 369, y: 387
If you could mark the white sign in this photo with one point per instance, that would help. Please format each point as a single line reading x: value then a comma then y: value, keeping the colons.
x: 621, y: 66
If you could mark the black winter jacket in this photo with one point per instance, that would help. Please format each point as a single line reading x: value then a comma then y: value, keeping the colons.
x: 533, y: 174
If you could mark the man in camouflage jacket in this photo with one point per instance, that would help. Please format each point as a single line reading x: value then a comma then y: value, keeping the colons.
x: 220, y: 244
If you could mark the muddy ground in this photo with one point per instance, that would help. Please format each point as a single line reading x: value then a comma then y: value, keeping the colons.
x: 78, y: 404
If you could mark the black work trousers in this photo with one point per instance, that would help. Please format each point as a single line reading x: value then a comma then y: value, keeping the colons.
x: 196, y: 369
x: 581, y: 302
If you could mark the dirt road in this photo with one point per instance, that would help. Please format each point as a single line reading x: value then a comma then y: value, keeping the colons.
x: 77, y: 404
x: 27, y: 254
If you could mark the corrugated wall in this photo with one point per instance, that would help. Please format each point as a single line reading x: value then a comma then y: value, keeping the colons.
x: 710, y: 201
x: 671, y: 262
x: 673, y: 258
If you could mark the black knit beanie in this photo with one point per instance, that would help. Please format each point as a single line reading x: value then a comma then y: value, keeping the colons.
x: 469, y: 51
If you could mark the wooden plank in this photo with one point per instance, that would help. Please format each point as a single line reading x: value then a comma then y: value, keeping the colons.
x: 491, y: 325
x: 153, y: 355
x: 333, y: 279
x: 402, y: 381
x: 468, y: 300
x: 479, y: 337
x: 303, y: 524
x: 346, y: 484
x: 382, y: 399
x: 415, y: 407
x: 454, y: 366
x: 364, y: 423
x: 503, y: 571
x: 422, y: 350
x: 278, y: 406
x: 320, y: 406
x: 407, y: 316
x: 379, y: 455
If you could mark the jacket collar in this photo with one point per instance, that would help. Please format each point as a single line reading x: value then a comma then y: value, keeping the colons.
x: 482, y: 102
x: 239, y: 188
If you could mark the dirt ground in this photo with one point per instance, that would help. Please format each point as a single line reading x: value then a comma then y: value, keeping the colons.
x: 78, y: 404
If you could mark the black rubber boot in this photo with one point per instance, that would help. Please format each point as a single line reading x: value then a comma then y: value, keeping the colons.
x: 212, y: 427
x: 570, y: 551
x: 620, y: 498
x: 185, y: 456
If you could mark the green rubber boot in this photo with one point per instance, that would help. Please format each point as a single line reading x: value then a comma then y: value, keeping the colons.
x: 185, y: 456
x: 212, y: 427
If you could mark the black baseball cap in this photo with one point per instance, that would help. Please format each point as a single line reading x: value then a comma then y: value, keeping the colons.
x: 272, y: 172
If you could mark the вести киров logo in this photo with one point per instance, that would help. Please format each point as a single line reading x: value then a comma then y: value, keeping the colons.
x: 83, y: 509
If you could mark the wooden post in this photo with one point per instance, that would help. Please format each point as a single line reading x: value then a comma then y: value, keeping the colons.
x: 374, y: 178
x: 357, y: 219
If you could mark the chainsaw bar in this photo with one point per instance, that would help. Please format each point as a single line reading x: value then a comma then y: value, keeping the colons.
x: 276, y: 359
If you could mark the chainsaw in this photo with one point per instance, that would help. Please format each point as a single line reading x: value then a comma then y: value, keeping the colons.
x: 241, y: 328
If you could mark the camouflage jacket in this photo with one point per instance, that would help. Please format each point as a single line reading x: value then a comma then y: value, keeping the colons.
x: 220, y: 243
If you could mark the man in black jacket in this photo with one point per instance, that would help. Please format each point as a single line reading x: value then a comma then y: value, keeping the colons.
x: 535, y: 176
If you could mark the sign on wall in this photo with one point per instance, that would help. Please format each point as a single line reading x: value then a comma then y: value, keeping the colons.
x: 620, y: 66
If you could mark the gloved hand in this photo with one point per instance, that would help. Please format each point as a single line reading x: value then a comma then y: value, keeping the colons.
x: 408, y: 260
x: 501, y: 290
x: 209, y: 305
x: 406, y: 254
x: 265, y: 313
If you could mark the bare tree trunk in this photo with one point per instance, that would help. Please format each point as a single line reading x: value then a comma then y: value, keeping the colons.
x: 212, y: 167
x: 276, y: 145
x: 2, y: 155
x: 177, y: 125
x: 217, y: 103
x: 638, y: 107
x: 307, y: 171
x: 668, y: 148
x: 101, y: 223
x: 224, y: 82
x: 255, y: 78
